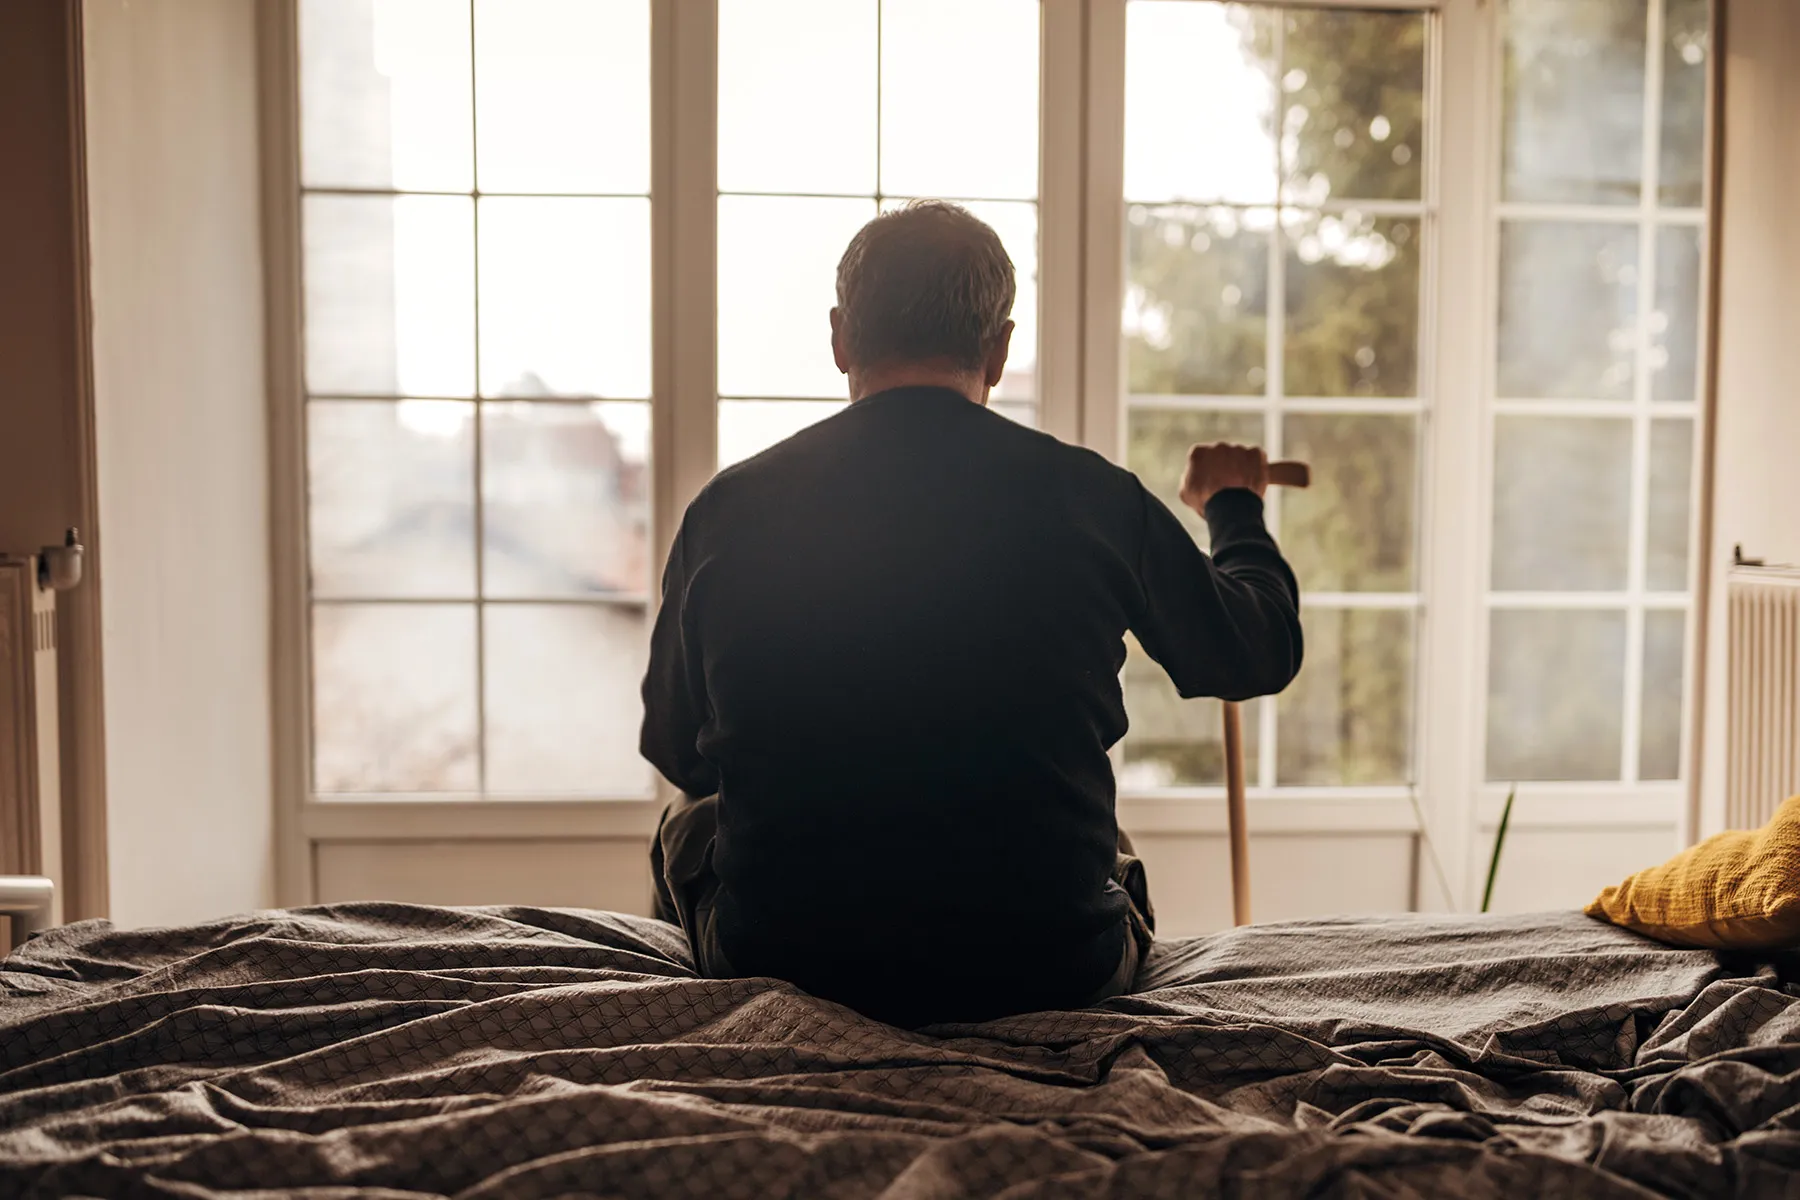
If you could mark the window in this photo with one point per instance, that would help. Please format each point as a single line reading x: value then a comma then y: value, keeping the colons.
x: 475, y: 233
x: 564, y: 259
x: 1277, y: 221
x: 867, y: 82
x: 1596, y: 385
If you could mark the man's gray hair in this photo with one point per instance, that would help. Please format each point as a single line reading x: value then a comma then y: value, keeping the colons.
x: 927, y: 281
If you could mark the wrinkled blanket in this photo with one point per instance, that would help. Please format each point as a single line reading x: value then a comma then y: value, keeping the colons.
x: 390, y: 1050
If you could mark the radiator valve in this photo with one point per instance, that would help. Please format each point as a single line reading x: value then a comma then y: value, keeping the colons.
x: 59, y: 567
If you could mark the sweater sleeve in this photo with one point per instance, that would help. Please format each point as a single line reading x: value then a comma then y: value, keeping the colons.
x: 1226, y: 625
x: 675, y: 703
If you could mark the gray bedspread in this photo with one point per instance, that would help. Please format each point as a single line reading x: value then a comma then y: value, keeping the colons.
x: 389, y: 1050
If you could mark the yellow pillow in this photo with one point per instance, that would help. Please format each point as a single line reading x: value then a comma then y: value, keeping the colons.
x: 1738, y: 890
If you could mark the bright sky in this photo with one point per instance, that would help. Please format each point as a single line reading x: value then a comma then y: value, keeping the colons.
x: 930, y: 97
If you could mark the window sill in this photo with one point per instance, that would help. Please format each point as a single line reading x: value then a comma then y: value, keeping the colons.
x: 1202, y: 811
x: 1191, y: 811
x: 410, y: 818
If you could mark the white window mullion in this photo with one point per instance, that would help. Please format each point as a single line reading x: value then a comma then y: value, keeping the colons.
x: 1060, y: 162
x: 1611, y: 410
x: 1103, y: 371
x: 663, y: 510
x: 1592, y: 213
x: 1101, y: 402
x: 1641, y: 397
x: 1430, y: 879
x: 1274, y: 360
x: 1290, y: 405
x: 1629, y: 742
x: 1454, y: 522
x: 1698, y: 665
x: 289, y: 632
x: 683, y: 203
x: 480, y: 520
x: 684, y: 221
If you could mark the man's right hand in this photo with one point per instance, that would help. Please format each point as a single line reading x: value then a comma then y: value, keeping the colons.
x: 1214, y: 468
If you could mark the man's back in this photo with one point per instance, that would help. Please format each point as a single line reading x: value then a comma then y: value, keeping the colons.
x: 892, y: 645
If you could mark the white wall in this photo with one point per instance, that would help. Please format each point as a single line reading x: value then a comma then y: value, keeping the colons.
x: 174, y: 212
x: 609, y: 873
x: 1756, y: 497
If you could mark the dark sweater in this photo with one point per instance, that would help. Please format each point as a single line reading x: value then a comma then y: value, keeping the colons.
x: 892, y: 644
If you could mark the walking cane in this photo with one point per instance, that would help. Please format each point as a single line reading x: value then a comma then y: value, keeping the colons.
x: 1284, y: 474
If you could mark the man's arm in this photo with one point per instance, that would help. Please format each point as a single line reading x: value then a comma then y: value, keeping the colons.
x: 675, y: 705
x: 1229, y: 625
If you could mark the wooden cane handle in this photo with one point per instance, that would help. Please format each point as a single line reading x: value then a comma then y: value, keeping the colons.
x: 1290, y: 474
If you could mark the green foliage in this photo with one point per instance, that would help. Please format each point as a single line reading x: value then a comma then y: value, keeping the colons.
x: 1203, y: 275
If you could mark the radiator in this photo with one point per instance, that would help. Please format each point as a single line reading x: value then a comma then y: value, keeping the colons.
x: 1763, y: 707
x: 30, y: 788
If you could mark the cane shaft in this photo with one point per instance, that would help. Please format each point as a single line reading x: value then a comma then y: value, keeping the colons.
x: 1234, y: 814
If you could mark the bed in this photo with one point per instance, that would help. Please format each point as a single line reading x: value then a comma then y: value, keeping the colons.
x: 387, y: 1050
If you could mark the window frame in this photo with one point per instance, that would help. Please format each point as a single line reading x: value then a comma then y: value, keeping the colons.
x: 1292, y: 809
x: 1275, y: 404
x: 1626, y: 803
x: 1080, y: 398
x: 1648, y: 216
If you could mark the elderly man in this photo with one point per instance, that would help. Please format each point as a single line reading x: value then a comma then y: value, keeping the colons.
x: 885, y: 672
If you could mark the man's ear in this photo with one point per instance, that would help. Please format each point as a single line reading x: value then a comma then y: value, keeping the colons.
x: 838, y: 350
x: 996, y: 359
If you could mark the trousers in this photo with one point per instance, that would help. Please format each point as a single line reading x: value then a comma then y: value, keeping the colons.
x: 687, y: 892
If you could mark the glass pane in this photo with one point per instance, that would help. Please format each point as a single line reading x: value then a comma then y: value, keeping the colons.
x: 787, y: 66
x: 563, y: 95
x: 563, y: 711
x: 1671, y: 469
x: 1352, y: 305
x: 384, y: 94
x: 1574, y: 100
x: 1017, y: 225
x: 1354, y: 529
x: 1687, y: 41
x: 1568, y: 310
x: 929, y: 144
x: 748, y: 427
x: 1196, y: 300
x: 390, y: 295
x: 1675, y: 321
x: 1562, y: 504
x: 391, y: 490
x: 1556, y: 681
x: 1200, y: 102
x: 564, y: 499
x: 1348, y: 719
x: 1174, y: 742
x: 778, y: 261
x: 1665, y: 648
x: 1354, y: 105
x: 394, y: 698
x: 1157, y: 442
x: 565, y: 297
